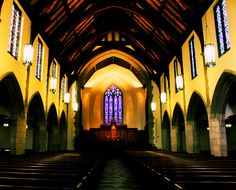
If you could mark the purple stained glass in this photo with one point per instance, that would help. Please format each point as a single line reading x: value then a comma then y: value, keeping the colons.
x: 113, y: 106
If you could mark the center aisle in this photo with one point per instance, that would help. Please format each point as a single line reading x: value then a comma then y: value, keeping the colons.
x: 117, y: 176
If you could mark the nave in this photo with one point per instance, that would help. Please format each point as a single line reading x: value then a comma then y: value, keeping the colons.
x: 117, y: 169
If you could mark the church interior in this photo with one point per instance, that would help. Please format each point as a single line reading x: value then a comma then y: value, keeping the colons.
x: 152, y: 75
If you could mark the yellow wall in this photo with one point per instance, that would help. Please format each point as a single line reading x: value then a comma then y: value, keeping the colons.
x: 227, y: 61
x: 9, y: 64
x: 205, y: 82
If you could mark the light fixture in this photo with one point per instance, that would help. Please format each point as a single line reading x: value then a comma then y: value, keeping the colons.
x: 179, y: 82
x: 53, y: 84
x: 67, y: 98
x: 228, y: 125
x: 153, y: 106
x: 75, y: 106
x: 5, y: 124
x: 5, y: 120
x: 230, y: 121
x: 163, y: 97
x: 209, y: 49
x: 209, y: 55
x: 28, y: 55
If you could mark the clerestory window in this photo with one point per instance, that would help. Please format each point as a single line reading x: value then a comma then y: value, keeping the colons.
x: 14, y: 34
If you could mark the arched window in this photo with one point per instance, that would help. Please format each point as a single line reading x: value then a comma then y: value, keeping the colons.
x: 113, y: 105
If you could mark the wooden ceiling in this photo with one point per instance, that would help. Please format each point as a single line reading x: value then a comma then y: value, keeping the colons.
x: 150, y: 30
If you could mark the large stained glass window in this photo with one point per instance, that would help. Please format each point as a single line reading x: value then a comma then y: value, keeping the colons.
x: 113, y: 105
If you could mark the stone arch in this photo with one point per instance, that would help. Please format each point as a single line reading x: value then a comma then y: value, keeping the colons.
x: 223, y: 110
x: 221, y: 93
x: 52, y: 129
x: 36, y: 125
x: 63, y: 132
x: 12, y: 92
x: 166, y: 140
x: 12, y: 123
x: 178, y: 130
x: 197, y: 125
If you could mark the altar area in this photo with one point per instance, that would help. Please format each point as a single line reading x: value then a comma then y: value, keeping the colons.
x: 115, y: 134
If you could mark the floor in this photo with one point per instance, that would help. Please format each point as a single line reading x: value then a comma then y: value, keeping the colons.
x: 116, y: 176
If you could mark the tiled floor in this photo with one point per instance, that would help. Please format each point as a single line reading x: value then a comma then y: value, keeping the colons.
x: 116, y: 176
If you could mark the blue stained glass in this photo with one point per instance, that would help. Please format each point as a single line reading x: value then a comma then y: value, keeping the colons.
x: 222, y: 28
x: 193, y: 58
x: 113, y: 106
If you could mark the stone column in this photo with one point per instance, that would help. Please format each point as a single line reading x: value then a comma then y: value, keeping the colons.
x: 218, y: 140
x: 189, y: 137
x: 40, y: 137
x: 18, y: 135
x: 174, y: 139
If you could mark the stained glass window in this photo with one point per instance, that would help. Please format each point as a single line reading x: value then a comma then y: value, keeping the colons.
x: 39, y: 60
x: 222, y: 28
x: 193, y: 61
x: 14, y: 34
x: 113, y: 105
x: 63, y: 87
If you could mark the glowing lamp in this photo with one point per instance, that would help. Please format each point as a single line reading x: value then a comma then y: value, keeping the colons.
x: 153, y: 106
x: 179, y: 82
x: 163, y: 97
x: 75, y: 106
x: 28, y: 55
x: 67, y: 98
x: 53, y: 84
x: 209, y: 55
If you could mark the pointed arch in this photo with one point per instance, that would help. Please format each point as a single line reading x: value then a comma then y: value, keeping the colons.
x: 221, y: 92
x: 197, y: 119
x: 52, y: 129
x: 63, y: 132
x: 179, y: 128
x: 166, y: 140
x: 223, y: 108
x: 12, y: 93
x: 11, y: 114
x: 36, y: 125
x: 36, y: 106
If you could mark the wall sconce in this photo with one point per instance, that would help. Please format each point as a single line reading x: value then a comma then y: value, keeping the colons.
x: 28, y: 55
x: 230, y: 121
x: 163, y: 97
x: 67, y: 98
x: 75, y: 106
x: 209, y: 55
x: 153, y: 106
x: 179, y: 82
x: 5, y: 120
x: 53, y: 84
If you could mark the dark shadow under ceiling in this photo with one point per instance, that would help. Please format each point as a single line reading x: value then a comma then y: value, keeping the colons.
x: 152, y: 31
